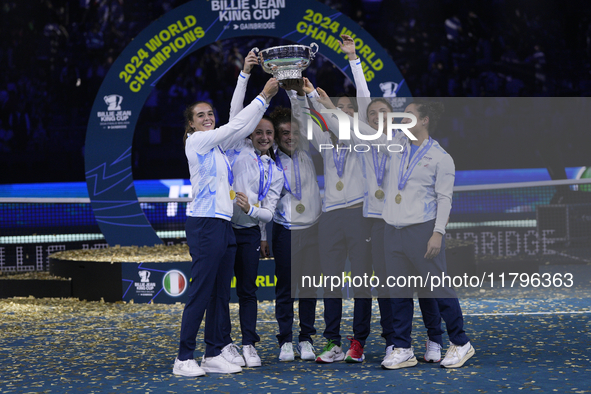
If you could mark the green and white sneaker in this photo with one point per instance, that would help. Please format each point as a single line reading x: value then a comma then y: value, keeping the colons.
x: 330, y: 353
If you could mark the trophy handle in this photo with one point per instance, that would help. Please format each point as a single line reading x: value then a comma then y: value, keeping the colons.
x: 257, y: 52
x: 313, y: 45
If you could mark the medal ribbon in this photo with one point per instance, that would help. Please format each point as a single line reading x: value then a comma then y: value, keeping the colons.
x: 230, y: 173
x: 402, y: 179
x: 379, y: 168
x: 339, y: 162
x: 264, y: 189
x: 296, y: 168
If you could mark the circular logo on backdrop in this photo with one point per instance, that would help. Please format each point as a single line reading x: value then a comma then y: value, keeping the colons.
x: 174, y: 283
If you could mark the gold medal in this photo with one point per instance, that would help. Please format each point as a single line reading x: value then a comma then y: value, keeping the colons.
x: 380, y: 194
x: 300, y: 208
x: 398, y: 198
x: 340, y: 186
x: 232, y: 194
x: 256, y: 205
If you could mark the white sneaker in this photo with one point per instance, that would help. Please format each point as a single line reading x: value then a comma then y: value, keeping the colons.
x: 389, y: 351
x: 230, y: 353
x: 286, y: 352
x: 400, y: 358
x: 306, y: 350
x: 250, y: 356
x: 330, y: 353
x: 187, y: 368
x: 456, y: 355
x: 432, y: 352
x: 219, y: 364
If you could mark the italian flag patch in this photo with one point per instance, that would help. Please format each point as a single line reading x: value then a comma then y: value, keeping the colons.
x: 175, y: 283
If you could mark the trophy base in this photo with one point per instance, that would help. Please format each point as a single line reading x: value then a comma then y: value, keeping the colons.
x: 281, y: 75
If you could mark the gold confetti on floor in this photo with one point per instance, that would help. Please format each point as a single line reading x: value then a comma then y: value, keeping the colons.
x: 525, y: 339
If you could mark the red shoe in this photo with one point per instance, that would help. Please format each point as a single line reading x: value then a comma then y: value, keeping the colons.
x: 355, y: 352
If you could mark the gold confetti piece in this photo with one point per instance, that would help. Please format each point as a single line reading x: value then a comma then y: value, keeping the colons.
x: 118, y: 254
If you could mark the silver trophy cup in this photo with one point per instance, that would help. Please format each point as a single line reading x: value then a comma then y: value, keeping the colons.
x: 286, y: 61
